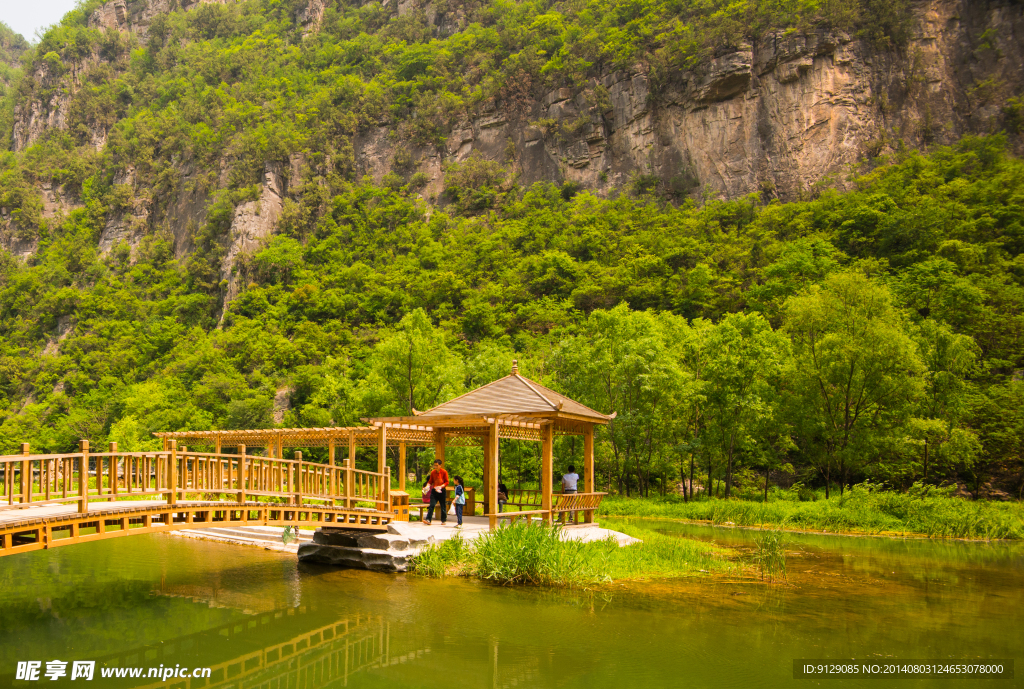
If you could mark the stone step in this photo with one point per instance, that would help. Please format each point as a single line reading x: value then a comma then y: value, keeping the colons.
x: 354, y: 538
x: 374, y: 559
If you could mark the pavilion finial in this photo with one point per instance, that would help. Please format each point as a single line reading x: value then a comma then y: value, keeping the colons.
x: 515, y: 367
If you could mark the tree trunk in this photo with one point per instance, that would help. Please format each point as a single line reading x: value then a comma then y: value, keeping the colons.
x: 691, y: 475
x: 828, y: 478
x: 708, y: 491
x: 728, y: 470
x: 766, y: 470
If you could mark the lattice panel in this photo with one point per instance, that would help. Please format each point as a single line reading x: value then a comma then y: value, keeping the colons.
x: 464, y: 441
x: 516, y: 433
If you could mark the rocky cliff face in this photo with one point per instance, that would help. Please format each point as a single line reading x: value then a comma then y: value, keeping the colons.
x: 780, y: 117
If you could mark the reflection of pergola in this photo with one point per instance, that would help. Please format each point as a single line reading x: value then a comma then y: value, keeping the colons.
x: 512, y: 407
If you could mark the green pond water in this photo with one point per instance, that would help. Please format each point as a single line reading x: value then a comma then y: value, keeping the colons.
x: 261, y: 619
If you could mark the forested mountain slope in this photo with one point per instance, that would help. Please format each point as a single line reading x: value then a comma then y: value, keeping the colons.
x: 302, y: 213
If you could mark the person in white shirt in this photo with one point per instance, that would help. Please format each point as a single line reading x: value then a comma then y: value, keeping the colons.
x: 570, y: 480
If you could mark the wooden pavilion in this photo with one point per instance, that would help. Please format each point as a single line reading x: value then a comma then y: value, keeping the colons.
x: 512, y: 407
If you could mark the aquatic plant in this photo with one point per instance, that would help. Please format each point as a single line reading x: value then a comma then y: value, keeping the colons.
x: 537, y: 554
x: 770, y: 554
x: 524, y: 553
x: 443, y: 559
x: 863, y: 509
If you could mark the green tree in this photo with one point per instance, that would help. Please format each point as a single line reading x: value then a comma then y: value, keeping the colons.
x: 745, y: 360
x: 622, y: 360
x: 951, y: 359
x: 411, y: 368
x: 856, y: 374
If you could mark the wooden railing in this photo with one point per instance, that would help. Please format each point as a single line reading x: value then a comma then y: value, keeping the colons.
x: 576, y: 502
x: 42, y: 479
x: 562, y: 503
x: 525, y: 497
x: 29, y: 480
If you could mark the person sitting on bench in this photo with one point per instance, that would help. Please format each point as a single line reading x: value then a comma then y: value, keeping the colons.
x: 570, y: 480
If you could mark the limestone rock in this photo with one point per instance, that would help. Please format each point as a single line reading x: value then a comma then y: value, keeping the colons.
x: 784, y: 113
x: 253, y: 223
x: 355, y: 558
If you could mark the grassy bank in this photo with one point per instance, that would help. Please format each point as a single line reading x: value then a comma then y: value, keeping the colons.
x: 860, y: 510
x: 525, y: 554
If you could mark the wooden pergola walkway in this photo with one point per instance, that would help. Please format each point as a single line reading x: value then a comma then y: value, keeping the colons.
x: 48, y: 500
x: 64, y: 499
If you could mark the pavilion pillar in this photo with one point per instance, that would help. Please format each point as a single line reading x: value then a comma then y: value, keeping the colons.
x: 349, y: 466
x: 216, y: 446
x: 382, y: 469
x: 297, y: 499
x: 488, y: 505
x: 401, y: 466
x: 439, y: 441
x: 547, y: 470
x: 492, y: 474
x: 334, y: 469
x: 588, y: 468
x: 242, y: 471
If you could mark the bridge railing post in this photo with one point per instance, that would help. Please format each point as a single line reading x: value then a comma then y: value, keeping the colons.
x: 172, y: 472
x: 350, y: 491
x: 83, y: 477
x: 242, y: 469
x: 298, y: 478
x: 115, y: 471
x: 26, y: 475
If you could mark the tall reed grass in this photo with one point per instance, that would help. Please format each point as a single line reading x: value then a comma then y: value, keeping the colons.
x: 448, y: 558
x: 535, y: 554
x: 863, y: 509
x: 770, y: 554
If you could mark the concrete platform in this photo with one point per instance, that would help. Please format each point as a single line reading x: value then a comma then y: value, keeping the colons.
x: 266, y: 537
x: 393, y: 551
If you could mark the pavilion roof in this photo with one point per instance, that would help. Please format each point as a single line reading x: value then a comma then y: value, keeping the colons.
x: 513, y: 396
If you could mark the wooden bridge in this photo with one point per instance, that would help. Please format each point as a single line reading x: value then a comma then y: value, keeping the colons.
x: 49, y: 500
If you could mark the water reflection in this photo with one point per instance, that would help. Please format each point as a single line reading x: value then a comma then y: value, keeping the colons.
x: 260, y: 619
x: 286, y: 648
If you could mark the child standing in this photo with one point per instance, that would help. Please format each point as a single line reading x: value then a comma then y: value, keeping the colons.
x: 460, y: 498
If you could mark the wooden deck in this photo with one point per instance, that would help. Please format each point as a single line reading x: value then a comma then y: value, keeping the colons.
x: 54, y: 500
x: 49, y: 526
